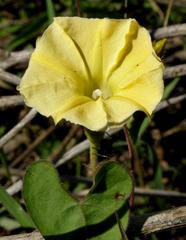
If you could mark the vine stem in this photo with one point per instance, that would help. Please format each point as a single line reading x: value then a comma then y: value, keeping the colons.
x: 78, y: 8
x: 131, y: 156
x: 135, y: 163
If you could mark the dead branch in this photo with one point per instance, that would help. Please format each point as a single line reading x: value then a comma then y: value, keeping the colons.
x: 170, y: 31
x: 15, y: 187
x: 17, y: 127
x: 57, y: 153
x: 181, y: 127
x: 173, y: 100
x: 33, y: 145
x: 14, y: 58
x: 140, y: 225
x: 10, y: 102
x: 26, y: 236
x: 13, y: 172
x: 159, y: 193
x: 76, y: 150
x: 179, y: 55
x: 158, y: 222
x: 175, y: 71
x: 9, y: 78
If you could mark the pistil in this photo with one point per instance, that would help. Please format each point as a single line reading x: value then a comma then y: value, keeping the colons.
x: 96, y: 93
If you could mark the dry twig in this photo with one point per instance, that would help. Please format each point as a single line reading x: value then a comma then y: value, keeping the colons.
x: 15, y: 188
x: 32, y: 146
x: 179, y: 55
x: 158, y: 222
x: 17, y: 127
x: 173, y: 100
x: 170, y: 31
x: 57, y: 153
x: 10, y: 102
x: 25, y: 236
x: 175, y: 71
x: 14, y: 58
x: 9, y: 78
x: 159, y: 193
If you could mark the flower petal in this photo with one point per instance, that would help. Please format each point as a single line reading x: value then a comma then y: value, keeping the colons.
x: 89, y: 114
x: 85, y: 35
x: 46, y: 89
x: 56, y: 72
x: 146, y: 91
x: 140, y: 60
x: 119, y: 109
x: 117, y: 36
x: 102, y: 42
x: 148, y: 65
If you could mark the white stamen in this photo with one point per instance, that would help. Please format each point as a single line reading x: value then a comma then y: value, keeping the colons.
x: 96, y: 93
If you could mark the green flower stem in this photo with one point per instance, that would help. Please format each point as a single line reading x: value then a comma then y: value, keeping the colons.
x: 95, y: 140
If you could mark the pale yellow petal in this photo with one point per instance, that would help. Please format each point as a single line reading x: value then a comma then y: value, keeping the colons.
x: 57, y: 51
x: 139, y: 60
x: 146, y: 91
x: 46, y: 89
x: 116, y: 40
x: 102, y: 42
x: 149, y: 64
x: 119, y: 109
x: 56, y: 72
x: 90, y: 114
x: 85, y: 35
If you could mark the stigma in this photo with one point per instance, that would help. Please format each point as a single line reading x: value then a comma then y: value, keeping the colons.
x: 96, y: 93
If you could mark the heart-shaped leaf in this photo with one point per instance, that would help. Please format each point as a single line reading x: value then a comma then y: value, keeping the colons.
x: 48, y: 203
x: 112, y: 187
x: 57, y: 215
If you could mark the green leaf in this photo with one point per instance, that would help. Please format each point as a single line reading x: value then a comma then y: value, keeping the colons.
x: 48, y: 202
x: 142, y: 129
x: 111, y: 189
x: 170, y: 87
x: 15, y: 209
x: 50, y: 10
x: 59, y: 216
x: 114, y: 232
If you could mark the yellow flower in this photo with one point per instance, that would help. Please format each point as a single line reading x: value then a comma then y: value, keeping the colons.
x: 93, y: 72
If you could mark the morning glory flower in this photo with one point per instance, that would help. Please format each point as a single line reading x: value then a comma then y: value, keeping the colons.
x: 93, y: 72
